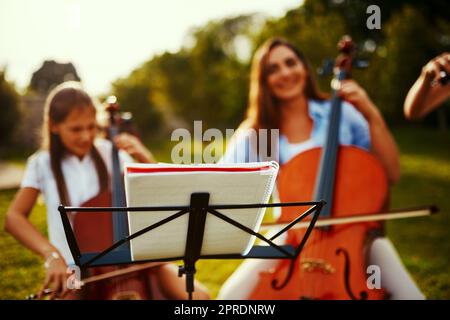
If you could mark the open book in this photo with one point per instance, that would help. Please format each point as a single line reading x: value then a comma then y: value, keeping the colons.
x: 172, y: 185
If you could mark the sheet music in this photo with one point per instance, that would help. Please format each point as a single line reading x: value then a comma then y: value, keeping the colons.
x: 174, y: 188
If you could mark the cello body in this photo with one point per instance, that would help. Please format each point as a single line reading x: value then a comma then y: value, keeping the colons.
x: 94, y: 233
x: 333, y: 262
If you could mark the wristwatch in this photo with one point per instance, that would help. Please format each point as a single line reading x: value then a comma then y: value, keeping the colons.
x: 53, y: 256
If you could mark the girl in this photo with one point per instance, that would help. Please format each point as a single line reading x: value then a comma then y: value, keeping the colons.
x: 284, y: 96
x: 72, y: 167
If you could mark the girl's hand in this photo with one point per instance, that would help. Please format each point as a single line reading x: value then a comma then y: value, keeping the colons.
x: 134, y: 147
x: 352, y: 92
x: 56, y: 277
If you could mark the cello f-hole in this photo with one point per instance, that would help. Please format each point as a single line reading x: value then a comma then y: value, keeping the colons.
x: 286, y: 280
x: 363, y: 295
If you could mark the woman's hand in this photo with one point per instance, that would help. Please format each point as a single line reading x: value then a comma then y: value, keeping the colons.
x: 56, y: 277
x: 352, y: 92
x: 427, y: 94
x: 433, y: 68
x: 134, y: 147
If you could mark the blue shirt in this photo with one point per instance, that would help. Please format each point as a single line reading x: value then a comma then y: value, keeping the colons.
x: 353, y: 130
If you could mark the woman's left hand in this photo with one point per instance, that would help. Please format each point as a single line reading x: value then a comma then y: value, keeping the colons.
x: 134, y: 147
x: 353, y: 93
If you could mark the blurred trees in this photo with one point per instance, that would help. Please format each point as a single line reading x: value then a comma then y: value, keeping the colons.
x: 218, y: 77
x: 208, y: 78
x: 9, y: 113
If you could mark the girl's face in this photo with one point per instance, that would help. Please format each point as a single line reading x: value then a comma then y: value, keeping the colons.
x: 77, y: 132
x: 286, y: 74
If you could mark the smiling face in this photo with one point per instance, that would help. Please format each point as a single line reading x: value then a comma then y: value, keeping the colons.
x: 286, y: 74
x: 77, y: 131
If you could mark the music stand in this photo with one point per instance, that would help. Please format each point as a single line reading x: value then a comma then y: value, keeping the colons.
x: 119, y: 252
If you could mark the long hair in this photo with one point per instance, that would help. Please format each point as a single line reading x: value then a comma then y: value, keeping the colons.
x: 263, y: 111
x: 60, y: 102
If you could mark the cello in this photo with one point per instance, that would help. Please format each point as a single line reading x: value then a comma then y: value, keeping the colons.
x: 112, y: 227
x: 333, y: 262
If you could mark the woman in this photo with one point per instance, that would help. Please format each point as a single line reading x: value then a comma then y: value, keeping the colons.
x: 72, y: 167
x: 283, y: 96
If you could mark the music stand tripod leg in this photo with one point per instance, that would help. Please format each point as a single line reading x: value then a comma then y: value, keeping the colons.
x: 196, y: 227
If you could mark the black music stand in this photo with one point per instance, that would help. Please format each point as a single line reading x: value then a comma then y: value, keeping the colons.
x: 119, y: 252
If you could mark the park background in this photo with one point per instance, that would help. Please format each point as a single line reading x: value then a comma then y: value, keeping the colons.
x: 206, y: 79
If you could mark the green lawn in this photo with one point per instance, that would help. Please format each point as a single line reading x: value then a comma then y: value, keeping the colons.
x: 423, y: 243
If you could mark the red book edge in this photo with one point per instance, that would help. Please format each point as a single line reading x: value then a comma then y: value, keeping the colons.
x: 192, y: 169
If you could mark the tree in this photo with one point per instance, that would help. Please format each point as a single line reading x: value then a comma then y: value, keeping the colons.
x: 207, y: 81
x: 134, y: 95
x: 9, y: 112
x: 219, y: 71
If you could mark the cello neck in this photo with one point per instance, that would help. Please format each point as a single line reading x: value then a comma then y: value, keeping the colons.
x: 120, y: 222
x: 119, y: 219
x: 324, y: 187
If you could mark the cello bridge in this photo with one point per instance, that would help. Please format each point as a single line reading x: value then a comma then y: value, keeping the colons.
x: 127, y: 295
x: 313, y: 265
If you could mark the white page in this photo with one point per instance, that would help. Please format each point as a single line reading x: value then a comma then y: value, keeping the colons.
x: 175, y: 188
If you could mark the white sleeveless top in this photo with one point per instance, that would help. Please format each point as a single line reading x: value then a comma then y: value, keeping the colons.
x: 81, y: 180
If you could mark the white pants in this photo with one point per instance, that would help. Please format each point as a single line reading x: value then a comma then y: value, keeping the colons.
x: 394, y: 276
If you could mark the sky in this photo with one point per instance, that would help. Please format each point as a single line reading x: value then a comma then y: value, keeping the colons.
x: 106, y: 39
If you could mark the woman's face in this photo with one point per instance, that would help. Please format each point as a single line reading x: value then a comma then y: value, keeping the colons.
x: 77, y: 131
x: 286, y: 74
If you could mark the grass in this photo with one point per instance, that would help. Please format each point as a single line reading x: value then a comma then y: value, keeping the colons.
x: 423, y: 243
x: 21, y: 271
